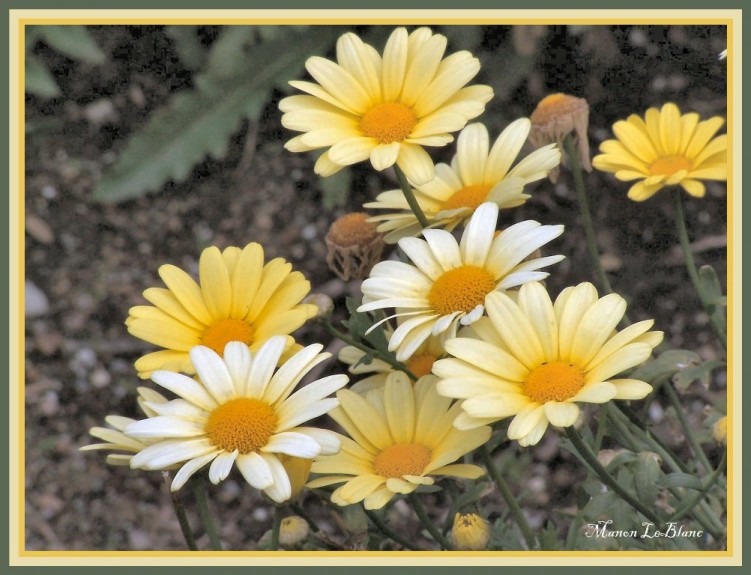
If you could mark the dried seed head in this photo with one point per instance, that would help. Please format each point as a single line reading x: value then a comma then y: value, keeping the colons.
x: 354, y: 246
x: 557, y: 116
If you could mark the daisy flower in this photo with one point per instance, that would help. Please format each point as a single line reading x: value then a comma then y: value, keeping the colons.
x: 419, y: 364
x: 477, y: 174
x: 449, y: 281
x: 536, y: 360
x: 238, y: 299
x: 665, y: 149
x: 401, y: 436
x: 115, y: 437
x: 384, y: 108
x: 240, y: 412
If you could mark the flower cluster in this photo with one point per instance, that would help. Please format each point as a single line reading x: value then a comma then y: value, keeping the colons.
x: 471, y: 334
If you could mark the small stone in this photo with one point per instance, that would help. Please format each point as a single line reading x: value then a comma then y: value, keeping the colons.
x: 49, y: 404
x: 100, y: 378
x: 101, y: 112
x: 48, y: 342
x: 35, y: 302
x: 40, y: 230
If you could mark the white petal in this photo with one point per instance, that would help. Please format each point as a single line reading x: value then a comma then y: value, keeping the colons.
x: 561, y: 414
x: 186, y: 387
x: 291, y: 443
x: 187, y: 470
x: 213, y: 373
x: 255, y: 470
x: 478, y: 237
x: 280, y: 490
x: 164, y: 426
x: 327, y: 440
x: 263, y: 365
x: 221, y: 466
x: 237, y: 359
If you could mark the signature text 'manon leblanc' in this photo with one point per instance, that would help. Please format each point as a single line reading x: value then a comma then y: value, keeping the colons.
x: 602, y: 529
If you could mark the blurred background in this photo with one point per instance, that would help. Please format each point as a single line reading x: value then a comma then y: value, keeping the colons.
x: 145, y: 144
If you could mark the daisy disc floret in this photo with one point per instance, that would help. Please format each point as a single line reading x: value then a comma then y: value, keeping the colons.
x: 238, y: 298
x: 384, y: 108
x: 478, y: 173
x: 401, y: 436
x: 448, y: 284
x: 664, y: 149
x: 535, y: 360
x: 241, y: 411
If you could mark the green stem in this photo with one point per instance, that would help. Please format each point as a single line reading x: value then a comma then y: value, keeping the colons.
x: 276, y: 527
x: 589, y: 228
x: 688, y: 256
x: 605, y: 476
x: 386, y: 530
x: 199, y: 492
x: 409, y: 195
x: 690, y: 435
x: 374, y: 352
x: 297, y: 508
x: 426, y: 521
x: 602, y: 425
x: 508, y: 495
x: 694, y: 501
x: 182, y: 516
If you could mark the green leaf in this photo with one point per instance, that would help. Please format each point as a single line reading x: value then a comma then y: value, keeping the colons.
x: 198, y: 123
x: 710, y: 284
x: 702, y: 373
x: 188, y: 46
x: 38, y: 79
x: 227, y: 59
x: 679, y: 479
x: 74, y: 41
x: 354, y: 519
x: 666, y: 364
x: 646, y: 475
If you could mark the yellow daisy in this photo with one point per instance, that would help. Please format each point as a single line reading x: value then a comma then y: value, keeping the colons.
x: 240, y: 412
x: 535, y: 360
x: 420, y: 363
x: 449, y: 281
x: 384, y: 108
x: 115, y: 437
x: 665, y: 149
x: 238, y: 299
x: 401, y: 437
x: 477, y: 174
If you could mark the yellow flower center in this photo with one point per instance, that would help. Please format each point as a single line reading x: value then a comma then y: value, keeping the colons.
x: 224, y: 331
x: 468, y: 197
x: 556, y: 381
x: 244, y: 424
x: 669, y: 165
x: 388, y: 122
x: 461, y: 289
x: 421, y: 364
x: 402, y: 459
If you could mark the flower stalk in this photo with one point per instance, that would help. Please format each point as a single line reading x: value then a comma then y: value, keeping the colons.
x: 422, y: 514
x: 409, y: 195
x: 198, y: 485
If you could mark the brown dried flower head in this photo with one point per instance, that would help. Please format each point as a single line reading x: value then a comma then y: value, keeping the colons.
x: 354, y: 246
x: 557, y: 116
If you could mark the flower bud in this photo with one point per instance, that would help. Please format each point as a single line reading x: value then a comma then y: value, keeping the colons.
x: 293, y: 530
x: 323, y: 302
x: 720, y: 430
x: 557, y: 116
x: 354, y: 246
x: 470, y: 532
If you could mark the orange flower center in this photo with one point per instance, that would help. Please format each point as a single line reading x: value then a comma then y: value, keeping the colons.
x: 556, y: 381
x: 553, y: 106
x: 224, y: 331
x: 388, y: 122
x: 244, y: 424
x: 421, y: 364
x: 669, y: 165
x: 352, y: 229
x: 461, y: 289
x: 468, y: 197
x: 402, y: 459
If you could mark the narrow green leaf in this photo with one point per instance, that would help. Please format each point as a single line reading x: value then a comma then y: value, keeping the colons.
x: 196, y: 124
x: 38, y: 79
x: 74, y: 41
x: 702, y: 373
x: 710, y: 283
x: 666, y: 364
x: 185, y: 38
x: 679, y: 479
x: 646, y: 476
x: 227, y: 59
